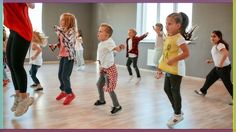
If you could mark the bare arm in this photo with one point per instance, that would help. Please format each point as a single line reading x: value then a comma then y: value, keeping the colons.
x: 119, y: 48
x: 225, y: 54
x: 31, y: 5
x: 182, y: 56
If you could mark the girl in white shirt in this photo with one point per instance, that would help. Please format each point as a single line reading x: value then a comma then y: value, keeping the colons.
x: 222, y: 64
x: 36, y: 59
x: 79, y: 51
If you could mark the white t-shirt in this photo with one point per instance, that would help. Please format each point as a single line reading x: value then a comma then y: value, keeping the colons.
x: 78, y: 45
x: 131, y: 55
x: 39, y: 59
x: 105, y: 53
x: 216, y: 55
x: 159, y: 41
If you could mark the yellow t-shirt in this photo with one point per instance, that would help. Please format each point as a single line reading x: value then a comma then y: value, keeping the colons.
x: 171, y: 49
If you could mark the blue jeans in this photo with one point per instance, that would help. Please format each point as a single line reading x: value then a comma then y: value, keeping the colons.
x: 33, y: 71
x: 65, y: 70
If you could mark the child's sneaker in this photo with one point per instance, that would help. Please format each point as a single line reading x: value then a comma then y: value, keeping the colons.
x: 61, y: 96
x: 16, y: 102
x: 98, y: 102
x: 69, y: 98
x: 38, y: 88
x: 33, y: 85
x: 199, y: 92
x: 175, y: 119
x: 23, y: 105
x: 131, y: 77
x: 116, y: 109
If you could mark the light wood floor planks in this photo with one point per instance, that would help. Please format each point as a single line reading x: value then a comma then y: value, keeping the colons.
x: 145, y: 106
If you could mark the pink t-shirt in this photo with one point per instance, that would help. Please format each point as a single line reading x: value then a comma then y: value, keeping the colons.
x: 63, y: 51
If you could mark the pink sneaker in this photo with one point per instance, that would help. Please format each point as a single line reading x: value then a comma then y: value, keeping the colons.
x: 61, y: 96
x: 69, y: 98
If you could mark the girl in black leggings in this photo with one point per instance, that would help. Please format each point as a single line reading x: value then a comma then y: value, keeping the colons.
x: 222, y: 65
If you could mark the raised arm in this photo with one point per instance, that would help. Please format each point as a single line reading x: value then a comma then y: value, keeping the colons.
x: 143, y: 36
x: 119, y: 48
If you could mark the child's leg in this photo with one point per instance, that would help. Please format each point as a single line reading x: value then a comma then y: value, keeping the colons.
x: 60, y: 74
x: 135, y: 60
x: 175, y: 81
x: 167, y: 89
x: 33, y: 71
x: 81, y: 55
x: 100, y: 84
x: 114, y: 99
x: 128, y: 63
x: 78, y: 58
x: 211, y: 78
x: 66, y: 73
x: 225, y: 77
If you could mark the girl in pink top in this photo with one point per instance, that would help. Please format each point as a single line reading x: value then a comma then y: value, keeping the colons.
x: 67, y: 38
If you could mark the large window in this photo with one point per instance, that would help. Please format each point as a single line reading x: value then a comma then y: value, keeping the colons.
x: 148, y: 14
x: 36, y: 17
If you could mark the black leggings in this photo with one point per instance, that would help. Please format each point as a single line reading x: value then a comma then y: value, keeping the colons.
x: 16, y: 50
x: 134, y: 61
x: 214, y: 75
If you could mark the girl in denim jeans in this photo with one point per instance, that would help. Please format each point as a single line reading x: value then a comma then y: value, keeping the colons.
x: 66, y: 33
x: 36, y: 59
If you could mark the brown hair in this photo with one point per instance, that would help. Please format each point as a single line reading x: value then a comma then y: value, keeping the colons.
x: 182, y: 19
x: 108, y: 28
x: 70, y: 21
x: 219, y: 34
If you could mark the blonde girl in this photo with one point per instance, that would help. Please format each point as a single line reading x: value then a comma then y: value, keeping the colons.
x: 36, y: 59
x: 66, y: 33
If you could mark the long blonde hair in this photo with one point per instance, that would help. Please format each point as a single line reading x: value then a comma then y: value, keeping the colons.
x: 70, y: 22
x: 39, y: 38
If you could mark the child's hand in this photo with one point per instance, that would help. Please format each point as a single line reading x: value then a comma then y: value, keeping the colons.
x: 122, y: 46
x: 209, y: 61
x: 154, y: 28
x: 159, y: 74
x: 171, y: 62
x: 52, y: 46
x: 33, y: 57
x: 146, y: 33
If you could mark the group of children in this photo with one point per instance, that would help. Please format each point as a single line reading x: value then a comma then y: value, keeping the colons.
x: 171, y: 50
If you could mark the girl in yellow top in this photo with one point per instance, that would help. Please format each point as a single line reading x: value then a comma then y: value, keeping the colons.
x: 175, y: 50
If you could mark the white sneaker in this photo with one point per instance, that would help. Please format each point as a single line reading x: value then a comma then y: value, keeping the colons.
x: 23, y: 105
x: 175, y: 119
x: 131, y: 77
x: 16, y: 102
x: 138, y: 80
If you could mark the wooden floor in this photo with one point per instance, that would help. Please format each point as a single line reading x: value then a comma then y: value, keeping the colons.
x: 145, y: 106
